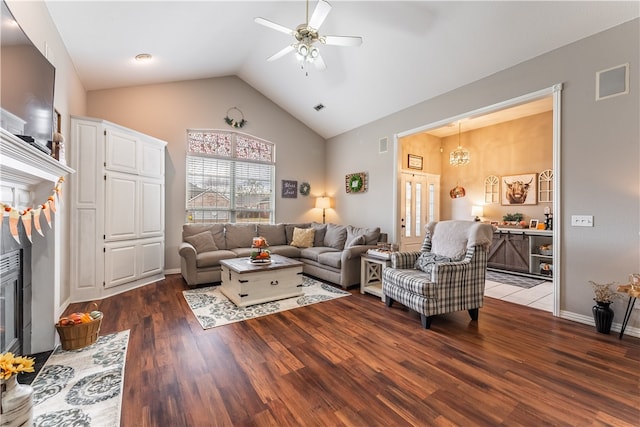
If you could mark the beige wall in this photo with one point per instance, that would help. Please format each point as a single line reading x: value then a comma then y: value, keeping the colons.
x: 166, y: 111
x: 69, y: 98
x: 516, y: 147
x: 595, y: 178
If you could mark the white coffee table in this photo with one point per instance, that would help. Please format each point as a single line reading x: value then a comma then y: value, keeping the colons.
x: 245, y: 283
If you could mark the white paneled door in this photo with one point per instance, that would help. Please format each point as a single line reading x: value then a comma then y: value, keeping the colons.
x: 419, y: 205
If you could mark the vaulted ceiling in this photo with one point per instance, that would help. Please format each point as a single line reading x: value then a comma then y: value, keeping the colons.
x: 412, y: 51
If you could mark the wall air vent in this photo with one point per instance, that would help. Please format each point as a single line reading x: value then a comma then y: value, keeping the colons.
x: 318, y: 107
x: 612, y: 82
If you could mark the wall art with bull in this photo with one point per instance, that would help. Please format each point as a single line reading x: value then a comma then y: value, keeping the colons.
x: 518, y: 190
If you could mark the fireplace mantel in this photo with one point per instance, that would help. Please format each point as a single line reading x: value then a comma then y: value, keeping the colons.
x: 23, y: 164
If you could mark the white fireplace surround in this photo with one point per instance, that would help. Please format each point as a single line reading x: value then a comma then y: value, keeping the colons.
x: 28, y: 176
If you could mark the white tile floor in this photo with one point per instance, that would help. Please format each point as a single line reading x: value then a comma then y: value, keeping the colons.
x: 540, y: 296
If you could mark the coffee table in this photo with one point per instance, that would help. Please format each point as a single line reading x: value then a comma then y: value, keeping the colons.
x: 245, y: 283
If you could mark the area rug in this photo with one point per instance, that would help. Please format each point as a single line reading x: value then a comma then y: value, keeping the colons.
x: 82, y: 387
x: 212, y: 308
x: 513, y: 279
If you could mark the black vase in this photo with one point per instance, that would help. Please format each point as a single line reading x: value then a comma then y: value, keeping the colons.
x: 603, y: 316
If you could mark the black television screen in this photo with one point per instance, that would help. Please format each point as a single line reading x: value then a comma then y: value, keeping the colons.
x: 27, y: 83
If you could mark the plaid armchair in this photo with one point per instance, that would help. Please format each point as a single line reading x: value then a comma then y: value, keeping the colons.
x: 454, y: 278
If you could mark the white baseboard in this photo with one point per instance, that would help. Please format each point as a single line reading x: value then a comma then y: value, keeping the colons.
x: 172, y: 271
x: 588, y: 320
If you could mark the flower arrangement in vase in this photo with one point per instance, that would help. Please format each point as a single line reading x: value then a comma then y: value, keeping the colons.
x: 16, y: 403
x: 602, y: 313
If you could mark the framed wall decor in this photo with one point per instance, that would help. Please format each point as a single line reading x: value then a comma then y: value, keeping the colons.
x: 356, y: 182
x: 519, y: 190
x: 289, y: 189
x: 414, y: 162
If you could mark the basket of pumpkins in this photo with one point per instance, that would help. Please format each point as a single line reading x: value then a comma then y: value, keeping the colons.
x: 79, y: 329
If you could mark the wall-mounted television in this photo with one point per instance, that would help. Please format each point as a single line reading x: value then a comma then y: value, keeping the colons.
x: 27, y: 83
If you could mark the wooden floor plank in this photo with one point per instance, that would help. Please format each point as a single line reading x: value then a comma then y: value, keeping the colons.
x: 355, y: 362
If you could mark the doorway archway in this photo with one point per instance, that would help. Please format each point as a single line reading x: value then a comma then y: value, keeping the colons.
x: 554, y: 92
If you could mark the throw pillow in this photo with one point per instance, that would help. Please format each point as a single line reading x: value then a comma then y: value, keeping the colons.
x: 202, y: 242
x: 303, y: 237
x: 336, y: 236
x: 360, y: 240
x: 427, y: 260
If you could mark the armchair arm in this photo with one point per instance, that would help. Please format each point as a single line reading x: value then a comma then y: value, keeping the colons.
x: 403, y: 259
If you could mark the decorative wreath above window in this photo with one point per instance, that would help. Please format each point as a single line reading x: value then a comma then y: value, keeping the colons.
x: 356, y: 182
x: 305, y: 188
x: 233, y: 121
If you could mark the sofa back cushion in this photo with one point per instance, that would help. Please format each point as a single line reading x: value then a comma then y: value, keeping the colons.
x: 239, y: 235
x: 321, y: 230
x: 371, y: 235
x: 216, y: 230
x: 274, y: 233
x: 336, y: 236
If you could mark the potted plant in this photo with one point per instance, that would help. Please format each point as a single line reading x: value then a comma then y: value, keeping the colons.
x: 602, y: 313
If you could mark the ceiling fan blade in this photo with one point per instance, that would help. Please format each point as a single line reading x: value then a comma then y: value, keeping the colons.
x: 281, y: 53
x: 319, y: 63
x: 319, y: 14
x: 341, y: 40
x: 274, y: 26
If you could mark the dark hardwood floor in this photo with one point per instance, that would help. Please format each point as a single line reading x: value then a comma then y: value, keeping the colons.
x: 354, y: 362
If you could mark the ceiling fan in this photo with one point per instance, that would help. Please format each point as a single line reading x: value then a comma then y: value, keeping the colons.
x: 307, y: 37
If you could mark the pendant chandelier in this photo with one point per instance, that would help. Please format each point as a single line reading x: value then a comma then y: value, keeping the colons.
x: 459, y: 156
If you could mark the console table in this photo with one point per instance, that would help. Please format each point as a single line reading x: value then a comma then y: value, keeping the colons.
x: 633, y: 293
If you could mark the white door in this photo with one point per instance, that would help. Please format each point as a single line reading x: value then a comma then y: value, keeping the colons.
x: 419, y: 205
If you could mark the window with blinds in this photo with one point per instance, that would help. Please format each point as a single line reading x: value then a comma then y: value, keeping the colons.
x: 230, y: 177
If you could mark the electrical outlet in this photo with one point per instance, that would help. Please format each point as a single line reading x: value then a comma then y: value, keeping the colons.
x: 582, y: 220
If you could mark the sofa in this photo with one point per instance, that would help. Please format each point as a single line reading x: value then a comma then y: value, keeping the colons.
x: 329, y: 252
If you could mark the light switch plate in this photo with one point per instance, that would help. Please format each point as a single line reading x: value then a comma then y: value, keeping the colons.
x: 582, y: 220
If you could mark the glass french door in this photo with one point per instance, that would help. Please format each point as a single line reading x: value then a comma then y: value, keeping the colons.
x: 419, y: 205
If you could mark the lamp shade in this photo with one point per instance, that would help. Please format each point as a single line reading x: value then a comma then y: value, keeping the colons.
x: 323, y: 202
x: 477, y: 210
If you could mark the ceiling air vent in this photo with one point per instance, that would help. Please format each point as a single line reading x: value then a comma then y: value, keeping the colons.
x: 318, y: 107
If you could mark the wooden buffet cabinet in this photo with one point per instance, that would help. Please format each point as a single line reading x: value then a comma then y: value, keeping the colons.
x: 518, y: 250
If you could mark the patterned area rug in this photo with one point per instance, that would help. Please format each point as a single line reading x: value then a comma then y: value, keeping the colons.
x: 513, y: 279
x: 212, y: 308
x: 82, y: 387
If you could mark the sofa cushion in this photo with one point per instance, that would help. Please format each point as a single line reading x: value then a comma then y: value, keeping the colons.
x: 202, y: 242
x: 239, y: 235
x: 286, y: 251
x: 288, y: 230
x: 321, y: 230
x: 303, y: 237
x: 427, y: 260
x: 315, y: 252
x: 371, y: 235
x: 212, y: 259
x: 359, y: 240
x: 332, y: 259
x: 336, y: 236
x: 274, y: 233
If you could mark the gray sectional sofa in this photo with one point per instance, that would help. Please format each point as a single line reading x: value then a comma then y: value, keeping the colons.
x: 333, y: 256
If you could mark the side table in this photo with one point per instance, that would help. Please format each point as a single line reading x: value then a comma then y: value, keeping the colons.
x: 371, y: 275
x: 633, y: 293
